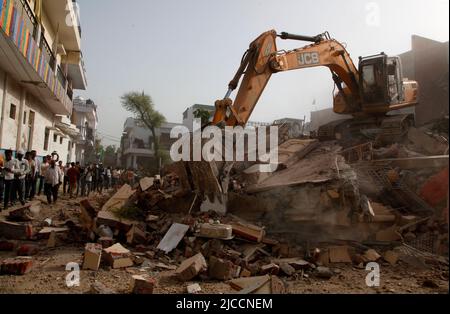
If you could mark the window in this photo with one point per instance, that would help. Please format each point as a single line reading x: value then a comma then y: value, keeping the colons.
x: 55, y: 138
x: 12, y: 112
x: 31, y: 119
x: 60, y: 140
x: 24, y: 117
x: 46, y: 138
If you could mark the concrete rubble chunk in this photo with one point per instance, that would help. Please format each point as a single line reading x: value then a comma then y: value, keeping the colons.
x: 271, y: 269
x: 391, y: 257
x: 146, y: 183
x: 194, y: 288
x: 215, y: 231
x: 191, y: 267
x: 143, y: 284
x: 173, y: 237
x: 324, y: 272
x: 287, y: 269
x: 371, y: 256
x: 221, y: 269
x: 117, y: 256
x: 92, y: 256
x: 255, y: 285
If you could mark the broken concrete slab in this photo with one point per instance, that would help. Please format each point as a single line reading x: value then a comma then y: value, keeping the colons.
x: 425, y: 142
x: 191, y: 267
x: 146, y: 183
x: 16, y: 266
x: 117, y: 256
x: 143, y: 284
x: 257, y: 285
x: 172, y: 237
x: 92, y: 256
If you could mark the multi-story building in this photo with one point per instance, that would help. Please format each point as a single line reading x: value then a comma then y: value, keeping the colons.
x: 137, y: 147
x: 189, y: 114
x: 86, y: 119
x: 41, y: 64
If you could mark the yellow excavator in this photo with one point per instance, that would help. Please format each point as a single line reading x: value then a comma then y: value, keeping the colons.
x: 368, y: 92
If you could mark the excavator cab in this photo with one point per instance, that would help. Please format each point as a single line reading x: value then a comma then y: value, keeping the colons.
x: 381, y: 82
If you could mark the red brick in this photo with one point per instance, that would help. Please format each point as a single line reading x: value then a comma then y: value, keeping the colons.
x: 16, y: 266
x: 28, y: 250
x: 143, y: 284
x: 7, y: 246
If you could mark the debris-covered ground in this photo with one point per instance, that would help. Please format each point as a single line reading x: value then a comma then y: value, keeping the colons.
x: 365, y: 217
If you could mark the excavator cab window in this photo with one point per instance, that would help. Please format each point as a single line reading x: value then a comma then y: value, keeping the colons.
x: 374, y: 80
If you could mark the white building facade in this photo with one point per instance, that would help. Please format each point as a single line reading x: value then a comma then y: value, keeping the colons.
x: 41, y: 65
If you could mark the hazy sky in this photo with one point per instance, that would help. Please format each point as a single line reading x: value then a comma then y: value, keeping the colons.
x: 183, y: 52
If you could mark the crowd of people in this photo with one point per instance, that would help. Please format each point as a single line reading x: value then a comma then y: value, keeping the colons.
x: 24, y: 177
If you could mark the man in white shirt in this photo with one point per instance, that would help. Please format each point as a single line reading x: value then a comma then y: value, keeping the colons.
x: 11, y: 167
x: 20, y: 174
x: 52, y: 181
x: 42, y: 170
x: 35, y: 167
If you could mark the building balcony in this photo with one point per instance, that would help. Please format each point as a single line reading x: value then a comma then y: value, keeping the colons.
x: 31, y: 64
x: 75, y: 69
x: 65, y: 14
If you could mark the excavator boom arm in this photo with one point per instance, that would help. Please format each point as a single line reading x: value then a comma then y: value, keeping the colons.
x: 263, y: 59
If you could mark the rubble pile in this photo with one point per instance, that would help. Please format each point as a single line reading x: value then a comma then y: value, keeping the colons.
x: 324, y: 205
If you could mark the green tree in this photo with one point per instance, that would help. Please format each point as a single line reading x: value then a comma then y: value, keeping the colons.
x: 143, y: 109
x: 202, y: 114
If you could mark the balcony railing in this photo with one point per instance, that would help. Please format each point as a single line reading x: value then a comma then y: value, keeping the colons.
x: 61, y: 77
x: 16, y: 20
x: 29, y: 17
x: 47, y: 51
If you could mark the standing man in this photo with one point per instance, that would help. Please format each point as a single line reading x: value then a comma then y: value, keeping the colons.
x: 42, y: 170
x: 60, y: 168
x: 20, y: 175
x: 52, y: 181
x: 10, y: 168
x: 66, y: 178
x: 35, y: 168
x: 72, y: 175
x: 80, y: 171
